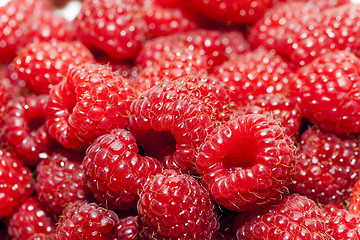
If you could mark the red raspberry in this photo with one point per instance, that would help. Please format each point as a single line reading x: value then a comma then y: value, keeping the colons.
x: 90, y: 102
x: 327, y: 167
x: 265, y: 30
x: 321, y: 4
x: 14, y: 14
x: 329, y: 88
x: 25, y: 129
x: 284, y: 109
x: 246, y: 162
x: 355, y: 199
x: 164, y: 21
x: 116, y: 27
x: 30, y: 218
x: 126, y: 69
x: 16, y: 183
x: 128, y: 228
x: 86, y: 221
x: 60, y: 180
x: 175, y: 206
x: 254, y: 73
x: 171, y: 120
x: 40, y: 236
x: 11, y: 80
x: 295, y: 217
x: 114, y: 170
x: 43, y: 65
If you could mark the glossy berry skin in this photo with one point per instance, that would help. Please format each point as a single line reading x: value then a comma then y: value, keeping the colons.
x: 60, y: 180
x: 30, y: 218
x: 17, y: 183
x: 294, y: 217
x: 246, y: 162
x: 43, y: 65
x: 128, y: 228
x: 90, y: 102
x: 171, y: 119
x: 327, y: 166
x: 117, y: 28
x: 114, y: 170
x: 329, y: 92
x: 175, y: 206
x: 254, y: 73
x: 81, y: 220
x: 355, y: 199
x: 25, y: 129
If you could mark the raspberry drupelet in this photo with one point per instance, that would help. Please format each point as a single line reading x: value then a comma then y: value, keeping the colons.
x: 247, y: 162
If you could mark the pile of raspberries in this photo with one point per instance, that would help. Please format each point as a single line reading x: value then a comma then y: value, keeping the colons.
x: 180, y: 120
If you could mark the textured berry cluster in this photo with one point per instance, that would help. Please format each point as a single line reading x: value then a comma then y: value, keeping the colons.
x: 179, y: 120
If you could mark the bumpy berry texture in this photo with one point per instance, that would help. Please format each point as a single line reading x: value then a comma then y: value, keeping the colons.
x: 91, y: 101
x: 171, y: 120
x: 60, y: 180
x: 254, y: 73
x: 284, y: 109
x: 16, y: 183
x: 355, y: 199
x: 30, y: 218
x: 247, y: 162
x: 25, y: 130
x: 175, y: 206
x: 327, y: 167
x: 116, y: 27
x: 82, y: 220
x: 295, y: 217
x: 114, y: 170
x: 43, y: 65
x: 329, y: 90
x: 128, y: 228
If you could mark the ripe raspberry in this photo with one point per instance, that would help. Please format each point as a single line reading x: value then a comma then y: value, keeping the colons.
x: 25, y: 129
x: 114, y: 170
x: 265, y: 30
x: 327, y: 167
x: 294, y: 217
x: 355, y: 198
x: 284, y: 109
x: 60, y: 180
x: 86, y: 221
x: 30, y: 218
x: 90, y: 102
x: 128, y: 228
x: 175, y: 206
x: 171, y: 120
x: 40, y: 236
x: 14, y: 14
x: 43, y: 65
x: 329, y: 88
x: 246, y: 162
x: 11, y: 80
x: 126, y: 69
x: 164, y: 21
x: 254, y: 73
x: 16, y: 183
x: 116, y: 27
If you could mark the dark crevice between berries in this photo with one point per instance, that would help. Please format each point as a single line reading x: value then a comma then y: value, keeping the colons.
x: 157, y: 144
x: 34, y: 124
x: 241, y: 155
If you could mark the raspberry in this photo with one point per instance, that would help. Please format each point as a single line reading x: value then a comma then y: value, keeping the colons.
x: 15, y: 14
x: 16, y: 183
x: 86, y: 221
x: 327, y: 166
x: 126, y: 69
x: 175, y: 206
x: 116, y: 27
x: 171, y: 120
x: 25, y: 129
x: 355, y: 198
x: 115, y: 172
x: 265, y: 30
x: 29, y: 219
x: 128, y: 228
x: 90, y: 102
x: 39, y: 236
x: 254, y: 73
x: 60, y: 180
x: 295, y: 217
x: 10, y: 79
x: 284, y: 109
x: 246, y: 162
x: 329, y: 88
x: 43, y: 65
